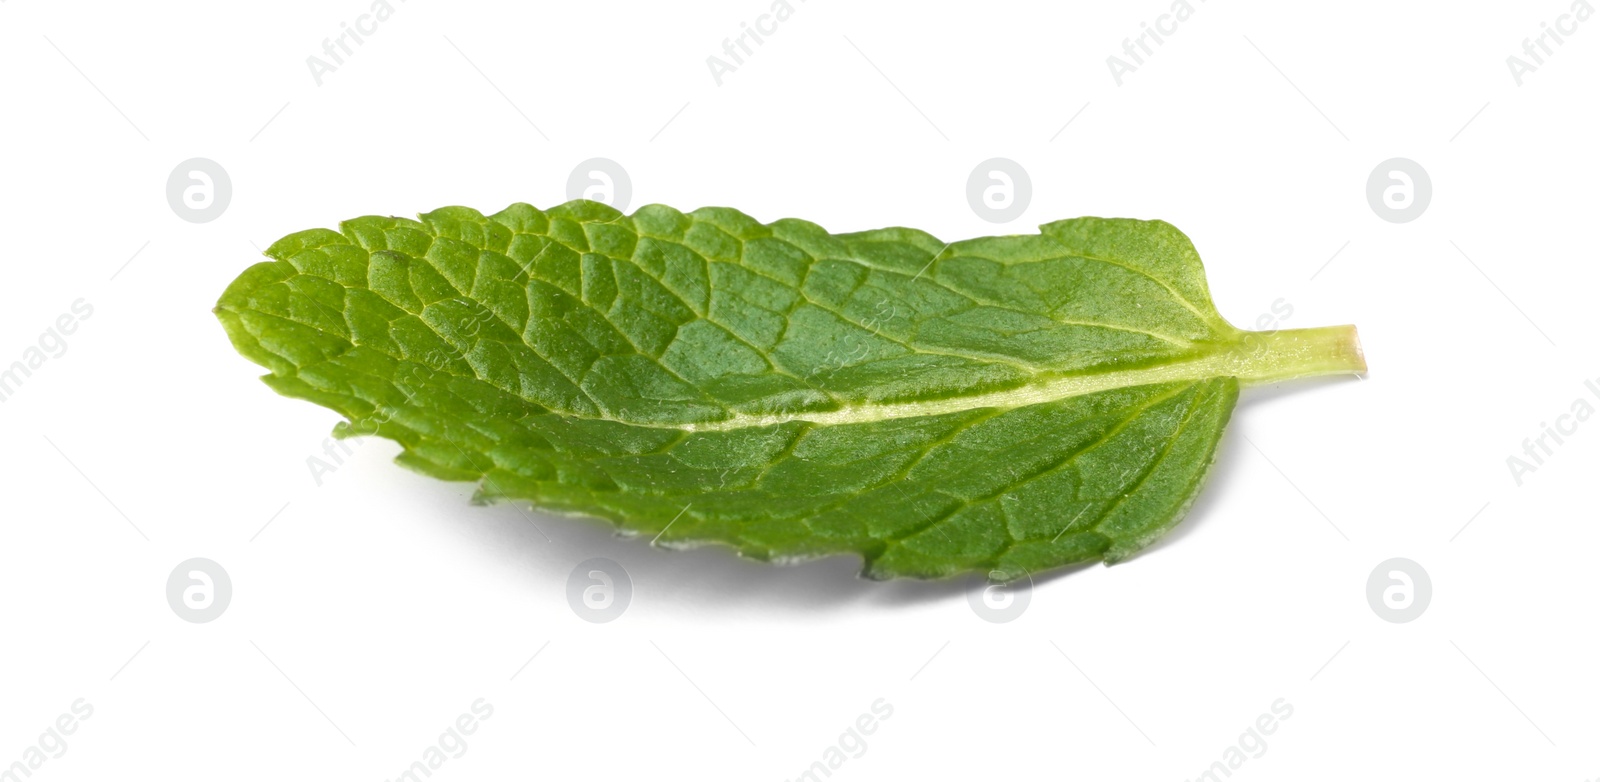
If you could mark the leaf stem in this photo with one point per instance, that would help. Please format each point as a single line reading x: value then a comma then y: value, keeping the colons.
x: 1271, y: 356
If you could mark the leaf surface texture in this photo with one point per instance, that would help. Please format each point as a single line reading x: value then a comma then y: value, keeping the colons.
x: 1001, y: 405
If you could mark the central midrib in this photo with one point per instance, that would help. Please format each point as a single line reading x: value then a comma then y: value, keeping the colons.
x: 1219, y: 361
x: 1251, y: 357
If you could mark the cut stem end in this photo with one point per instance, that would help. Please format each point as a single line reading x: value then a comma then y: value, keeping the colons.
x: 1270, y: 356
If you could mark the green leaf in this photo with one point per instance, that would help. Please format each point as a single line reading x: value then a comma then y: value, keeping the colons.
x: 1004, y: 404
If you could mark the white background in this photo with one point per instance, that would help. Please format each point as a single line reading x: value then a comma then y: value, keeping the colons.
x: 375, y: 608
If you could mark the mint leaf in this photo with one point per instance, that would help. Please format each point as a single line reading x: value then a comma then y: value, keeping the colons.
x: 1005, y: 404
